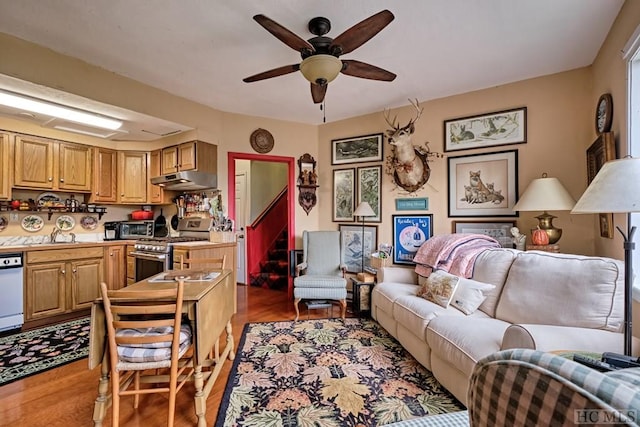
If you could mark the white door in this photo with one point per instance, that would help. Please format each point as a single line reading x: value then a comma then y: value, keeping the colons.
x: 241, y: 218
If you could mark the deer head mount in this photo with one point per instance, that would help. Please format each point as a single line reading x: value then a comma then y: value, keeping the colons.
x: 408, y: 164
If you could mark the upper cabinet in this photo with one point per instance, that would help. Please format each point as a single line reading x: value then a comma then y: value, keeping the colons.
x: 156, y: 193
x: 105, y: 168
x: 193, y: 155
x: 47, y: 164
x: 5, y: 175
x: 132, y: 177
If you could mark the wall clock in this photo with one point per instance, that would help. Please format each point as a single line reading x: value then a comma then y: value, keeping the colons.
x: 604, y: 113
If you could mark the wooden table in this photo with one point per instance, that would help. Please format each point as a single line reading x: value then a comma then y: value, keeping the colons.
x: 209, y: 307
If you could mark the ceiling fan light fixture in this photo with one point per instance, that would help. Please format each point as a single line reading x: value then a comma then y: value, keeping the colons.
x: 22, y: 102
x: 320, y: 69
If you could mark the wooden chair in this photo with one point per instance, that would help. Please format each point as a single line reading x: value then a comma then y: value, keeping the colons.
x: 146, y: 336
x: 213, y: 263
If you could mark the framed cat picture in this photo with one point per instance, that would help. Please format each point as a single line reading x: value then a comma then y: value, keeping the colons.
x: 482, y: 185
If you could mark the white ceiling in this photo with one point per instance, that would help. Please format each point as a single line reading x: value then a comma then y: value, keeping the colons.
x: 201, y: 49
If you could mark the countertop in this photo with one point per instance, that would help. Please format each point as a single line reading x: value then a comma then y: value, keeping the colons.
x: 48, y: 246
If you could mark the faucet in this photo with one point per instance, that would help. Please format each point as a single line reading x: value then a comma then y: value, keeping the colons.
x: 54, y: 234
x: 73, y: 237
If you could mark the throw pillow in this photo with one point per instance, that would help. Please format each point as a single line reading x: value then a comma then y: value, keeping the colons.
x: 470, y: 294
x: 439, y: 288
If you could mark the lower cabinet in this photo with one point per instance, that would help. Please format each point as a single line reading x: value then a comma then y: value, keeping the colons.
x: 62, y: 281
x: 131, y: 266
x: 115, y: 266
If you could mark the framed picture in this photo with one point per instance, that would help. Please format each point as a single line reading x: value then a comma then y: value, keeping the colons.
x: 359, y: 149
x: 343, y: 194
x: 369, y: 184
x: 352, y: 245
x: 499, y: 230
x: 600, y: 152
x: 409, y: 233
x: 483, y: 184
x: 487, y: 130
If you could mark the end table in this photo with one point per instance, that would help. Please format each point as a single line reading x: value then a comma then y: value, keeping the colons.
x: 361, y: 297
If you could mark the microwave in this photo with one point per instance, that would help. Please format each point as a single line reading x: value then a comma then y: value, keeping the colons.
x: 130, y: 230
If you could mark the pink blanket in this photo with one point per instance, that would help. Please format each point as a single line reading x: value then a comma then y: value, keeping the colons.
x: 454, y: 253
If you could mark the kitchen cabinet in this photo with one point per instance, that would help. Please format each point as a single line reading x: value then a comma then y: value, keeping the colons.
x: 115, y: 266
x: 132, y: 177
x: 156, y: 193
x: 60, y: 281
x: 105, y: 168
x: 131, y: 266
x: 193, y: 155
x: 5, y: 175
x: 43, y: 163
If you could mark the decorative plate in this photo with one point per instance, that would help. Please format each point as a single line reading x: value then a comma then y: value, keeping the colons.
x: 3, y: 222
x: 32, y: 223
x: 65, y: 222
x: 88, y: 222
x: 49, y: 200
x: 262, y: 141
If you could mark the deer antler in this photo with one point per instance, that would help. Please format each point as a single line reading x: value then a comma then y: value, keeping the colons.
x: 392, y: 124
x: 419, y: 111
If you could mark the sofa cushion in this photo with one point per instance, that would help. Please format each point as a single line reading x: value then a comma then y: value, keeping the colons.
x: 470, y: 294
x: 567, y: 290
x: 463, y: 340
x: 492, y: 266
x: 415, y: 313
x: 439, y: 288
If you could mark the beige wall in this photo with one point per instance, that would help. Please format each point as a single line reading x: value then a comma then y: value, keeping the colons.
x: 558, y: 124
x: 560, y: 128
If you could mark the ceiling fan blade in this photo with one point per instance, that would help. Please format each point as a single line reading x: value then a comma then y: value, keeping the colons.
x: 360, y: 33
x: 284, y: 35
x: 280, y: 71
x: 363, y: 70
x: 318, y: 92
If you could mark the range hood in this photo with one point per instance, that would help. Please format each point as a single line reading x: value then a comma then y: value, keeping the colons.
x: 187, y: 181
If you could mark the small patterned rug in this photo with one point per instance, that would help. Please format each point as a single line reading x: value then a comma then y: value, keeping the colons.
x: 28, y: 353
x: 326, y: 373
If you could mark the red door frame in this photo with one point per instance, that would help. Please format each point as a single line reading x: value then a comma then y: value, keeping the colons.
x: 231, y: 196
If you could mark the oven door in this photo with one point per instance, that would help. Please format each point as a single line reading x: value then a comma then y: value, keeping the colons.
x: 148, y: 265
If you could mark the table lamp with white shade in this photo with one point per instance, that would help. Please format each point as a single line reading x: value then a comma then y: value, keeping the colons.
x: 616, y: 189
x: 363, y: 210
x: 546, y: 194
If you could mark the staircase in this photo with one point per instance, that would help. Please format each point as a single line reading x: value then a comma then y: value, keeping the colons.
x: 274, y: 269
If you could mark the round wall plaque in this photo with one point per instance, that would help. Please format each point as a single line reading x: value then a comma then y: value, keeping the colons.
x: 262, y: 141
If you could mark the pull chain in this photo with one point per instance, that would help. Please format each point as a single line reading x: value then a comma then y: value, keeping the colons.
x: 323, y: 108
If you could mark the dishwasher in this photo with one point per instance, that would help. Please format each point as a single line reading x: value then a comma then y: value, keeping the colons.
x: 11, y: 289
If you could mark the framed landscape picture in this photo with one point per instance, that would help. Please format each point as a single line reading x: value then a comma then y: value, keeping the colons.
x: 499, y: 230
x: 483, y: 184
x: 409, y: 233
x: 343, y: 194
x: 359, y: 149
x: 352, y: 245
x: 486, y: 130
x: 369, y: 183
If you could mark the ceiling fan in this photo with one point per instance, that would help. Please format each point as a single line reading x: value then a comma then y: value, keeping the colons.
x: 320, y: 55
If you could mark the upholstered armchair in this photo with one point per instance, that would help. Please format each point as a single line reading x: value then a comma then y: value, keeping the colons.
x: 321, y: 275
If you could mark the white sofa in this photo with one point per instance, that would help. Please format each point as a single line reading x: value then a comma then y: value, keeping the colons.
x: 541, y: 301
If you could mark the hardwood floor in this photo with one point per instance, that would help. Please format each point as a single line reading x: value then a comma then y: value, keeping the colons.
x: 64, y: 396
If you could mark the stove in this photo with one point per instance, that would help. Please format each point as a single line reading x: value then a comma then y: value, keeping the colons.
x: 155, y: 255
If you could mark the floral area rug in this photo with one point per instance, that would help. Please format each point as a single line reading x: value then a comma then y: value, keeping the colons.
x: 28, y: 353
x: 327, y: 373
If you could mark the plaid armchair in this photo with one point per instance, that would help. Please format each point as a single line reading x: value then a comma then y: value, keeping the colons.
x: 533, y: 388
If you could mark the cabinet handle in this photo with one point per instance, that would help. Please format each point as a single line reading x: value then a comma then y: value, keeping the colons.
x: 61, y: 179
x: 75, y: 270
x: 111, y: 254
x: 122, y: 195
x: 97, y: 193
x: 50, y: 179
x: 63, y: 271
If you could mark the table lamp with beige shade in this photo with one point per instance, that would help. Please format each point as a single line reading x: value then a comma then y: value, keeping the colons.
x: 546, y: 194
